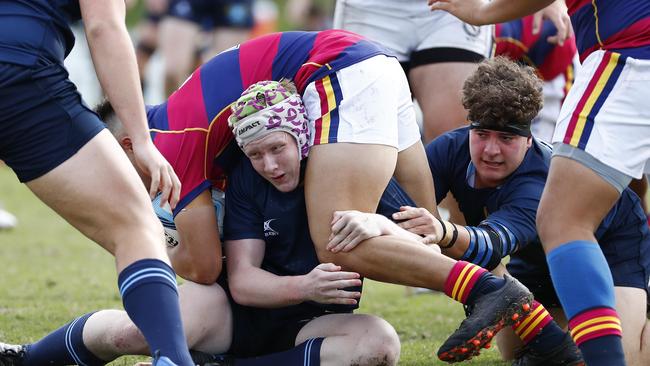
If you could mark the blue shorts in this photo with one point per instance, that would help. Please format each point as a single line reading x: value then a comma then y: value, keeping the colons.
x: 258, y: 331
x: 210, y: 14
x: 43, y: 121
x: 625, y: 242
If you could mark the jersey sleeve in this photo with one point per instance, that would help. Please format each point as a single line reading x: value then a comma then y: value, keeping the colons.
x: 439, y: 155
x: 393, y: 198
x: 243, y: 219
x: 515, y: 218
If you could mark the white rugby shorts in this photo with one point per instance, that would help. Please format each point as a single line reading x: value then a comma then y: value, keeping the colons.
x: 368, y: 103
x: 607, y: 112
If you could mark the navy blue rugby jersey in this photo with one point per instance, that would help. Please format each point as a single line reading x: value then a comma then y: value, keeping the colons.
x: 32, y: 30
x: 510, y: 208
x: 256, y: 210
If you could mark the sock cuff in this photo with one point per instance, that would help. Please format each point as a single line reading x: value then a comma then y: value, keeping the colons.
x: 595, y: 323
x: 312, y: 351
x: 572, y: 247
x: 533, y: 323
x: 461, y: 280
x: 145, y: 271
x: 75, y: 346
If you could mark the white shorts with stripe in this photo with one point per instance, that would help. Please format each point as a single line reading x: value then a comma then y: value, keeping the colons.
x: 368, y: 103
x: 409, y: 26
x: 607, y: 112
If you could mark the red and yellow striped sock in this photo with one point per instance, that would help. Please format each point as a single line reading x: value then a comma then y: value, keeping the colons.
x: 595, y: 323
x: 533, y: 323
x: 461, y: 280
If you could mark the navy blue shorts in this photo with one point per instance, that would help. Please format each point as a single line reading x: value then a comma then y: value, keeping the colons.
x: 210, y: 14
x: 625, y: 242
x: 258, y: 331
x: 43, y: 121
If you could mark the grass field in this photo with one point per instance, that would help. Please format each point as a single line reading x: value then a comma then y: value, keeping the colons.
x: 50, y: 274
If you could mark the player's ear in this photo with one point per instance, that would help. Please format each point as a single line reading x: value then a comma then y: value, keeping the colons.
x: 126, y: 144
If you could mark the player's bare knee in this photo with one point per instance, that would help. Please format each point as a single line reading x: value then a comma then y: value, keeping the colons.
x: 380, y: 345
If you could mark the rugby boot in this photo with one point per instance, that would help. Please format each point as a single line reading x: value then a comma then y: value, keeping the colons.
x: 11, y: 354
x: 206, y: 359
x: 487, y: 316
x: 565, y: 354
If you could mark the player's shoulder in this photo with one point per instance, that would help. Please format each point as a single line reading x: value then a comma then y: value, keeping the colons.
x: 244, y: 177
x: 452, y: 145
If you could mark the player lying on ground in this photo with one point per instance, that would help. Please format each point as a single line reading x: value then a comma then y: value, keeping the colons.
x: 280, y: 306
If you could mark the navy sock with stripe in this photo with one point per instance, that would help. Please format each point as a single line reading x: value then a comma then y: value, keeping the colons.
x: 306, y: 354
x: 150, y: 297
x: 64, y: 346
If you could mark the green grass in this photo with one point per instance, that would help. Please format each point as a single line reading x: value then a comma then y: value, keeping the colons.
x: 50, y: 274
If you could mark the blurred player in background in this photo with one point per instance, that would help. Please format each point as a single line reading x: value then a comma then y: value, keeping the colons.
x: 555, y: 64
x: 436, y: 50
x: 147, y: 31
x: 199, y: 29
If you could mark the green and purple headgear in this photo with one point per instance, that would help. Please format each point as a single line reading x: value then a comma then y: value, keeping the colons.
x: 269, y: 106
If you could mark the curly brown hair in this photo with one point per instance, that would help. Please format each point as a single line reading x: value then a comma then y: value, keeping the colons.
x: 502, y: 93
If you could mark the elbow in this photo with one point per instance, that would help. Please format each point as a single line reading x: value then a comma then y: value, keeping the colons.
x: 100, y: 28
x: 238, y: 292
x: 326, y: 256
x: 204, y: 275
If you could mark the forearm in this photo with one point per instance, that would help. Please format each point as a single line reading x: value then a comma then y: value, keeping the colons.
x: 499, y: 11
x: 115, y: 64
x: 260, y: 288
x: 402, y: 233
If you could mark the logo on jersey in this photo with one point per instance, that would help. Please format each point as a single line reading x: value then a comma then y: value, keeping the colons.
x: 268, y: 230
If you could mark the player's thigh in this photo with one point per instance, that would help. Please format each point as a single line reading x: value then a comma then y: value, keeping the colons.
x: 566, y: 213
x: 344, y: 176
x: 207, y: 317
x: 355, y: 116
x: 437, y: 87
x: 631, y: 306
x: 99, y: 192
x: 413, y: 174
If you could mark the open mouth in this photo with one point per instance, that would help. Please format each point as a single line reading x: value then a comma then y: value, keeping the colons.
x: 493, y: 164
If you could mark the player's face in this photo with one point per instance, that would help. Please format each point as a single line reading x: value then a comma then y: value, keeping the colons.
x: 496, y: 155
x: 275, y: 157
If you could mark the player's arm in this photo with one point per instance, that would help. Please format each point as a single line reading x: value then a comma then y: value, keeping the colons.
x: 198, y: 256
x: 482, y: 12
x: 115, y: 63
x: 349, y: 228
x: 251, y: 285
x: 485, y: 244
